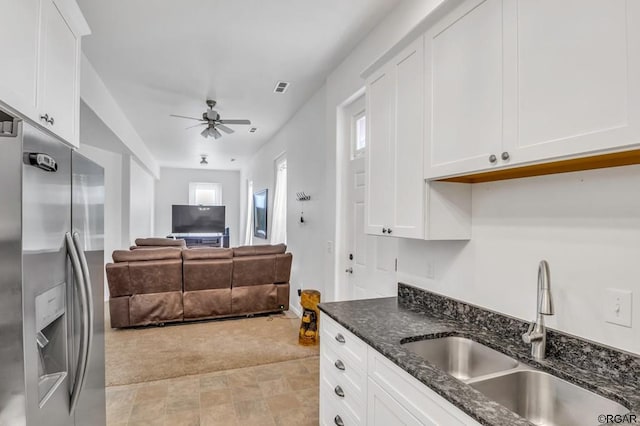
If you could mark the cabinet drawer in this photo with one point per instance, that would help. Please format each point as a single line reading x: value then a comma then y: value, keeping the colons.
x: 332, y: 414
x: 350, y: 403
x: 354, y: 377
x: 420, y: 401
x: 343, y: 342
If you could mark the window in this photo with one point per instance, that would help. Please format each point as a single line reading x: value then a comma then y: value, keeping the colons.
x: 360, y: 132
x: 205, y: 194
x: 279, y: 221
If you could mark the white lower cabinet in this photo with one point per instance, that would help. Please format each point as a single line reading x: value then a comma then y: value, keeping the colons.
x: 360, y: 386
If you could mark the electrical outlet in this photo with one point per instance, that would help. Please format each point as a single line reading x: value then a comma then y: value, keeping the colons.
x: 617, y: 307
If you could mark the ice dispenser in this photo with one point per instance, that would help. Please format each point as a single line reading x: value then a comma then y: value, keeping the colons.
x: 51, y: 338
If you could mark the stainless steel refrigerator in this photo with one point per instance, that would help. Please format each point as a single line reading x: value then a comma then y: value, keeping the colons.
x: 51, y: 281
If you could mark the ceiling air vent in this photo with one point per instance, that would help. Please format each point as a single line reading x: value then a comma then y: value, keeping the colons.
x: 281, y: 87
x: 253, y: 130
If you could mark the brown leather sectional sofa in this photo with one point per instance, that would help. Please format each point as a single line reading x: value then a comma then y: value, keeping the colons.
x: 172, y: 284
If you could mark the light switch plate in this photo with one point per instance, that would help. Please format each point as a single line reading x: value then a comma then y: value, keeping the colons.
x: 617, y: 306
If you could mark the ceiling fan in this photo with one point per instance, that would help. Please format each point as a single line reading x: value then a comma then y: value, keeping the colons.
x: 211, y: 119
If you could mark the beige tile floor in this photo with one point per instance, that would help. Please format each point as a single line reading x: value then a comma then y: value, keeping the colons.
x: 284, y: 393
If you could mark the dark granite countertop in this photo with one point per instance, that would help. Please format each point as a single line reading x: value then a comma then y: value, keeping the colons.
x: 385, y: 323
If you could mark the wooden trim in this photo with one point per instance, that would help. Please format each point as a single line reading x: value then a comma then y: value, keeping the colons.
x: 601, y: 161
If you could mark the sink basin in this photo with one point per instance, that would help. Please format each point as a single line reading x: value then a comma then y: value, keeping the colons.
x: 544, y: 399
x: 462, y: 358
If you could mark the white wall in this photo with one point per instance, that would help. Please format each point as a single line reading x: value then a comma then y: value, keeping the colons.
x: 141, y: 202
x: 111, y: 162
x: 303, y: 141
x: 586, y: 224
x: 173, y: 188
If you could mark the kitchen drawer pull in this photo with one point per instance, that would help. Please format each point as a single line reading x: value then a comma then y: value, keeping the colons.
x: 493, y: 159
x: 338, y: 420
x: 339, y: 365
x: 340, y: 338
x: 338, y: 390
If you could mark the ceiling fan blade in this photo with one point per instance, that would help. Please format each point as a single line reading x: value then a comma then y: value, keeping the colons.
x: 188, y: 118
x: 197, y: 125
x: 225, y: 129
x: 247, y: 122
x: 215, y: 133
x: 205, y: 133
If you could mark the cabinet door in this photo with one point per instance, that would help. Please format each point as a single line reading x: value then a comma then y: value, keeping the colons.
x: 19, y: 31
x: 577, y: 77
x: 383, y: 410
x: 379, y: 155
x: 408, y: 145
x: 58, y: 94
x: 464, y: 97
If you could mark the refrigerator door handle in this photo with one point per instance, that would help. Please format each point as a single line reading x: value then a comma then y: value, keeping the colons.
x: 84, y: 266
x: 84, y: 335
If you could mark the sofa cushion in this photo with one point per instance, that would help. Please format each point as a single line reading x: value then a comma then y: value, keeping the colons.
x: 259, y: 250
x: 207, y: 274
x: 155, y: 276
x: 207, y: 303
x: 147, y: 254
x: 160, y: 242
x: 257, y: 298
x: 118, y: 279
x: 207, y: 253
x: 254, y: 270
x: 155, y: 308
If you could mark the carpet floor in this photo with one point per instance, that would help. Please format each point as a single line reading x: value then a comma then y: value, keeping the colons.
x: 155, y: 353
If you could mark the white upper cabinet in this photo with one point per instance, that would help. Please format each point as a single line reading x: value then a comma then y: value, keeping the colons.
x: 463, y: 57
x: 577, y: 77
x: 41, y: 80
x: 527, y: 81
x: 19, y: 31
x: 394, y: 203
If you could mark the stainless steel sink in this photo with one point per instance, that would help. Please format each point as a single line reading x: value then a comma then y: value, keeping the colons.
x: 544, y: 399
x: 460, y: 357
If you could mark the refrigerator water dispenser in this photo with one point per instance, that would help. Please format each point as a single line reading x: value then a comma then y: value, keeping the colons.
x: 51, y: 339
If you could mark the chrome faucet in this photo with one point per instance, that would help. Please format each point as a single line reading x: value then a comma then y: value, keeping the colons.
x: 537, y: 333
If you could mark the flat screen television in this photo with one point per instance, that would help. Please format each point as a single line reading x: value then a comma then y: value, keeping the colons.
x: 197, y: 219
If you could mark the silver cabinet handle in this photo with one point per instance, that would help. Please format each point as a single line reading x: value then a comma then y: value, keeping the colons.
x: 339, y: 365
x: 51, y: 121
x: 493, y: 158
x: 338, y: 421
x: 81, y: 367
x: 338, y: 390
x: 388, y: 230
x: 505, y: 156
x: 384, y: 230
x: 45, y: 118
x: 349, y: 270
x: 340, y: 338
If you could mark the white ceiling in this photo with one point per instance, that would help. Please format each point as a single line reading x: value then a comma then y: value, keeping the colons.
x: 166, y: 57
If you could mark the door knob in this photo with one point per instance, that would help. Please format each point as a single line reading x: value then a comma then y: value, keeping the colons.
x: 349, y: 270
x: 493, y: 158
x: 505, y: 156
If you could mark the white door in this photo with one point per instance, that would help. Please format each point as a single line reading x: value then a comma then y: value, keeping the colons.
x: 58, y: 95
x: 575, y: 79
x: 379, y: 154
x: 370, y: 263
x: 384, y: 410
x: 19, y: 29
x: 463, y: 90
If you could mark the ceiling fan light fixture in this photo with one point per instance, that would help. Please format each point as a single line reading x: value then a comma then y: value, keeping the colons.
x: 215, y: 133
x: 205, y: 133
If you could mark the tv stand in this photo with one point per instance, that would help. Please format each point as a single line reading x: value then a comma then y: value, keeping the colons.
x: 204, y: 240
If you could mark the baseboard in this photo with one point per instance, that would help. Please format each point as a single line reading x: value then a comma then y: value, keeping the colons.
x: 295, y: 310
